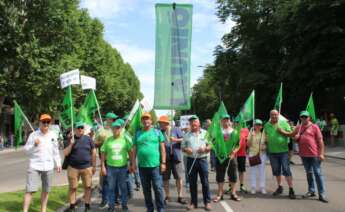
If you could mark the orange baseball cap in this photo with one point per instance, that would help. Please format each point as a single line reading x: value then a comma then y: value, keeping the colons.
x: 45, y: 117
x: 164, y: 119
x: 146, y: 115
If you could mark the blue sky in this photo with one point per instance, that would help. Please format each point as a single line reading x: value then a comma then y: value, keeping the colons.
x: 129, y: 26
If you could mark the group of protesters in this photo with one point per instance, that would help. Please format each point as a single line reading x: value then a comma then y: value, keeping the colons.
x: 156, y: 153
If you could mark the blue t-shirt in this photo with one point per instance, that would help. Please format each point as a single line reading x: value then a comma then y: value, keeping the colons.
x: 81, y: 153
x: 176, y: 154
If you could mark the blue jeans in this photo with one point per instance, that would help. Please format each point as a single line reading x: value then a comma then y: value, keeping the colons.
x: 200, y: 167
x: 213, y: 159
x: 105, y: 189
x: 117, y: 176
x: 312, y: 166
x: 280, y: 164
x: 152, y: 177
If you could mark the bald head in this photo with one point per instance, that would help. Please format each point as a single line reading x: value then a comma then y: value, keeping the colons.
x: 274, y: 114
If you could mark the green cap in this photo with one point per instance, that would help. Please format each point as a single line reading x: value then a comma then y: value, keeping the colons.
x: 193, y: 117
x: 118, y: 123
x: 225, y: 116
x: 79, y: 124
x: 304, y: 113
x: 111, y: 115
x: 258, y: 122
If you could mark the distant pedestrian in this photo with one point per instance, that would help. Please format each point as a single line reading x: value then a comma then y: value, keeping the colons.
x: 43, y: 150
x: 334, y: 129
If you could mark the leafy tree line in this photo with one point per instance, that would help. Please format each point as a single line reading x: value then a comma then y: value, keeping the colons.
x: 299, y: 43
x: 40, y: 39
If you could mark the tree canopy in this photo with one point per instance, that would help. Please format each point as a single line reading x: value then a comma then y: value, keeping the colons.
x: 299, y: 43
x: 39, y: 40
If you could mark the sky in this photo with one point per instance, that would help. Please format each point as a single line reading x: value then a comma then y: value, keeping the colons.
x: 129, y: 26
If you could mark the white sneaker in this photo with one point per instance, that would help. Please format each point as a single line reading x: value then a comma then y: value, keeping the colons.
x: 263, y: 191
x: 253, y: 191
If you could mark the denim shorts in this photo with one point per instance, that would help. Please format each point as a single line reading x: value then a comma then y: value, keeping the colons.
x: 280, y: 164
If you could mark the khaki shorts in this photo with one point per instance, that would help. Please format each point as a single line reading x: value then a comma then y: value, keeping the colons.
x: 75, y: 174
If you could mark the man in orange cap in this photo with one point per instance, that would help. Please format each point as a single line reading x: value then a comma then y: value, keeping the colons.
x: 148, y: 145
x: 42, y: 148
x: 173, y: 137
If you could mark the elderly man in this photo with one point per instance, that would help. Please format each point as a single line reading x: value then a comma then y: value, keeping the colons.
x: 81, y: 154
x: 278, y: 151
x: 311, y: 149
x: 173, y: 137
x: 148, y: 145
x: 196, y: 147
x: 42, y: 148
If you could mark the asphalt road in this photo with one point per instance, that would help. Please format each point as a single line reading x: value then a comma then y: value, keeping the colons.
x: 13, y: 167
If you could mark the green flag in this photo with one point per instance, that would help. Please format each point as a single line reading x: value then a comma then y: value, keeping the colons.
x: 67, y: 117
x: 248, y: 108
x: 279, y: 99
x: 18, y: 124
x: 215, y: 135
x: 173, y: 56
x: 88, y: 109
x: 135, y: 123
x: 311, y: 109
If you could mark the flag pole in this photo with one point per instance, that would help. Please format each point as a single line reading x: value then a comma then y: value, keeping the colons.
x: 253, y: 109
x: 280, y: 103
x: 26, y: 118
x: 98, y: 108
x: 70, y: 96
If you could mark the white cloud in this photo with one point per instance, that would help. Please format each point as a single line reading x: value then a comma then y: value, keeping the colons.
x: 134, y: 55
x: 106, y: 8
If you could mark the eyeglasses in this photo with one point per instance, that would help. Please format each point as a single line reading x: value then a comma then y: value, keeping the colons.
x: 80, y: 128
x: 45, y: 122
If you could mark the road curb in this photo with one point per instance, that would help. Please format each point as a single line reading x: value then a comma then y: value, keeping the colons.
x: 335, y: 157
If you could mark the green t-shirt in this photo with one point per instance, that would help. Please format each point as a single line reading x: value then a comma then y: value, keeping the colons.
x: 148, y: 147
x: 276, y: 142
x: 116, y: 150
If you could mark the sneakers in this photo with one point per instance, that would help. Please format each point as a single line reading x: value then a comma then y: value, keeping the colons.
x: 208, y: 207
x: 103, y: 205
x: 253, y: 191
x: 292, y: 193
x: 181, y: 201
x: 278, y: 191
x: 309, y: 194
x: 243, y: 189
x: 111, y: 209
x: 263, y: 191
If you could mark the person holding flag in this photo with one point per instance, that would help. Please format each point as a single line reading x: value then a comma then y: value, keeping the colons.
x: 311, y: 150
x: 43, y: 151
x: 148, y: 145
x: 278, y: 151
x: 196, y: 147
x: 229, y: 165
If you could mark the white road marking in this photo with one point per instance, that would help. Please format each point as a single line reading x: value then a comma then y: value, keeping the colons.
x: 226, y: 206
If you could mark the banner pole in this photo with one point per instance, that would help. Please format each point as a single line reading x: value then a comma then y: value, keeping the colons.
x: 72, y: 127
x: 98, y: 108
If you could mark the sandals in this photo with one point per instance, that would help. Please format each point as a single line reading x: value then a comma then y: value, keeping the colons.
x: 218, y: 198
x: 235, y: 198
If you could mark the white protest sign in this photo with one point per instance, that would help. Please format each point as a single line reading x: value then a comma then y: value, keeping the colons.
x: 70, y: 78
x: 87, y: 82
x: 184, y: 121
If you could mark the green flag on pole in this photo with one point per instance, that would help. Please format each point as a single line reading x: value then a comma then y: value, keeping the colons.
x: 279, y: 99
x: 88, y: 109
x: 173, y: 56
x: 248, y: 109
x: 18, y: 124
x: 311, y: 108
x: 67, y: 117
x: 135, y: 123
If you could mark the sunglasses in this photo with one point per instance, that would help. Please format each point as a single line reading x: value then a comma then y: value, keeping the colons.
x: 303, y: 117
x: 45, y: 122
x: 80, y: 128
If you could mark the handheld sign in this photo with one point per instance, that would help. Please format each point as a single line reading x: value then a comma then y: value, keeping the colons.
x: 184, y: 121
x: 70, y: 78
x: 87, y: 82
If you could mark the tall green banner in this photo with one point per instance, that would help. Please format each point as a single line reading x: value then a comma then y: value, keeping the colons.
x: 173, y: 53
